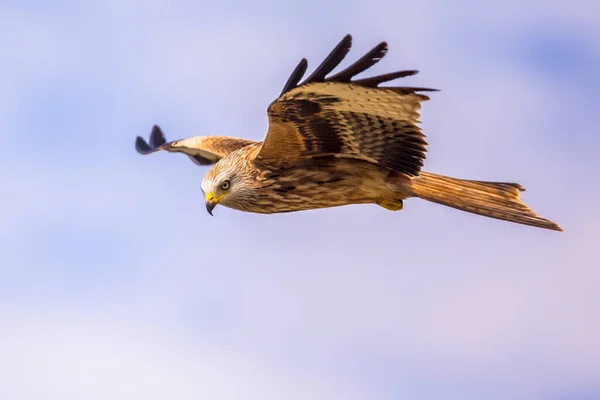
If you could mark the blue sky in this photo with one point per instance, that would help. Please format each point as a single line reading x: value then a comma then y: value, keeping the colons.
x: 116, y: 283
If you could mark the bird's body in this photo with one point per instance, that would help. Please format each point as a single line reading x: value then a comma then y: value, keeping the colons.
x: 309, y: 184
x: 334, y: 141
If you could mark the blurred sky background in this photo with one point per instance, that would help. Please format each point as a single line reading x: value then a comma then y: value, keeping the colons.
x: 115, y: 283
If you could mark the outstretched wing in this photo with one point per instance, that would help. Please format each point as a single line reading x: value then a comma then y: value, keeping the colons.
x: 341, y: 117
x: 203, y: 150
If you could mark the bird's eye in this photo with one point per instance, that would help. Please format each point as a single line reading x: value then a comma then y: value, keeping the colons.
x: 225, y: 185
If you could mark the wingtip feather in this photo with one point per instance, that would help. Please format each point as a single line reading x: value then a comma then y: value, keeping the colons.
x: 142, y: 146
x: 371, y: 58
x: 365, y: 62
x: 295, y: 77
x: 331, y: 61
x: 157, y: 137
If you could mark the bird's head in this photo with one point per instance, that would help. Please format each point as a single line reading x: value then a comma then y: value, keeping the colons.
x: 226, y: 183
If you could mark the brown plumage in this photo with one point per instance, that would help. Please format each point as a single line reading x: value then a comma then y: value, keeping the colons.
x: 335, y: 141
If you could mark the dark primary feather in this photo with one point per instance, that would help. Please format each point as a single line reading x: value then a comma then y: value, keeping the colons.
x: 142, y: 147
x: 364, y: 63
x: 298, y: 73
x: 374, y: 81
x: 409, y: 89
x: 331, y: 61
x: 157, y: 137
x: 334, y: 58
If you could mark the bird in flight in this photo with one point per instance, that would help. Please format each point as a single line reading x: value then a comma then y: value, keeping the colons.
x: 333, y: 141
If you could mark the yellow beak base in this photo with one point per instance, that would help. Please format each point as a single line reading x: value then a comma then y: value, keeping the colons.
x: 212, y: 201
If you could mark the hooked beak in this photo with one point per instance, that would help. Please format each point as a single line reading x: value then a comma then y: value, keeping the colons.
x: 210, y: 206
x: 211, y: 202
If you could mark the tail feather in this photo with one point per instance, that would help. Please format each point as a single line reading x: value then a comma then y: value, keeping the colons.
x: 500, y: 200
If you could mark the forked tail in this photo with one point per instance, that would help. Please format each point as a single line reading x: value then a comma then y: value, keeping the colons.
x: 498, y: 200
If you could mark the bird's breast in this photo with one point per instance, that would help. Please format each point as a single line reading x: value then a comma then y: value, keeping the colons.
x: 314, y: 185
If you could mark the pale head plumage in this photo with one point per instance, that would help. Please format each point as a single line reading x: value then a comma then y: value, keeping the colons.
x: 228, y: 182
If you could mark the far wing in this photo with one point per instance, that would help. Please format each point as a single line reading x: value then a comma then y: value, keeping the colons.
x: 203, y: 150
x: 341, y: 117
